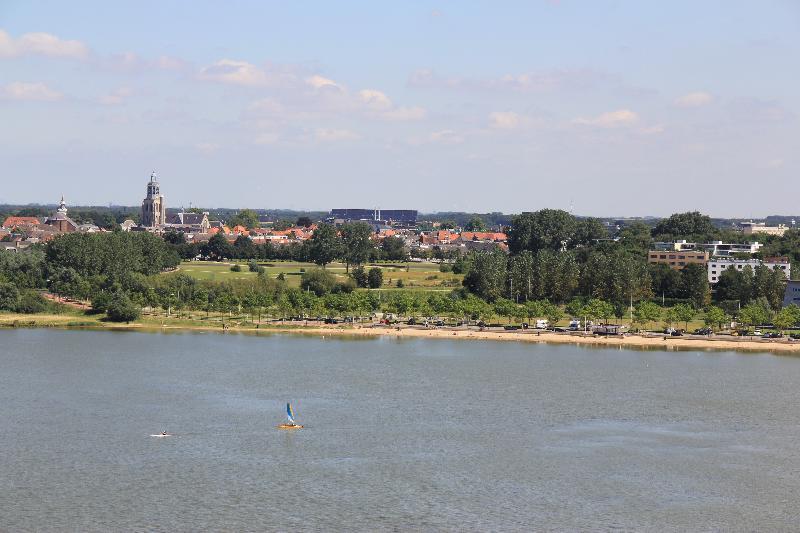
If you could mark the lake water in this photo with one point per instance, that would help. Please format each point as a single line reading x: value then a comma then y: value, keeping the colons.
x: 400, y: 435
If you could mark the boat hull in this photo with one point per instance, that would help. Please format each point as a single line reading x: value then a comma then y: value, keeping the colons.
x: 289, y: 426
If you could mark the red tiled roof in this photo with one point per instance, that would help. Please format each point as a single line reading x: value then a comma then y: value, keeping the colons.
x: 12, y: 222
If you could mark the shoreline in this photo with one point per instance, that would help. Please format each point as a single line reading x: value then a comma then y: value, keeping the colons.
x: 12, y: 321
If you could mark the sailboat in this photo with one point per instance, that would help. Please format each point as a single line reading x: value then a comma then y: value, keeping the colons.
x: 290, y: 423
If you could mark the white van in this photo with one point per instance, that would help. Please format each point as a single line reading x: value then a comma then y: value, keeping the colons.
x: 574, y: 324
x: 542, y: 324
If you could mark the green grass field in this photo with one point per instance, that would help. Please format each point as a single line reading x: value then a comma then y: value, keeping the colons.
x: 419, y: 276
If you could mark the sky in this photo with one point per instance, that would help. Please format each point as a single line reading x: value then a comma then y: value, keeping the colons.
x: 601, y: 107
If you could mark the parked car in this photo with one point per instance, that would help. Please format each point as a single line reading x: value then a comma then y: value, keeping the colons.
x: 772, y: 335
x: 677, y: 333
x: 757, y: 333
x: 703, y: 331
x: 542, y: 324
x: 669, y: 331
x: 574, y: 324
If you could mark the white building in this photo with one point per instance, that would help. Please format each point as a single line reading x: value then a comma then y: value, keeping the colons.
x: 714, y: 248
x: 717, y: 265
x: 749, y: 228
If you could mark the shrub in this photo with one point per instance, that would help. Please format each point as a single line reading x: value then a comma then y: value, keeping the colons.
x: 445, y: 267
x: 236, y: 268
x: 359, y: 275
x: 31, y: 302
x: 318, y: 281
x: 121, y: 309
x: 375, y: 278
x: 281, y: 277
x: 254, y: 267
x: 9, y: 296
x: 100, y: 302
x: 400, y: 284
x: 346, y: 286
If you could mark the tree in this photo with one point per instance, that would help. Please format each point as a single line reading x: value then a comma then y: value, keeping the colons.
x: 356, y: 243
x: 694, y: 285
x: 394, y: 249
x: 243, y: 248
x: 684, y: 226
x: 475, y: 223
x: 318, y: 281
x: 324, y: 245
x: 785, y: 319
x: 646, y: 312
x: 9, y: 297
x: 598, y: 309
x: 487, y: 276
x: 770, y: 284
x: 552, y: 312
x: 587, y: 231
x: 246, y: 218
x: 218, y: 247
x: 304, y: 222
x: 715, y: 316
x: 31, y: 301
x: 121, y: 309
x: 359, y: 275
x: 734, y: 285
x: 756, y: 313
x: 375, y: 278
x: 684, y: 313
x: 548, y: 229
x: 504, y: 308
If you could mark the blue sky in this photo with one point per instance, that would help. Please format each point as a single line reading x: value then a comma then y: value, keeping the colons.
x: 608, y: 107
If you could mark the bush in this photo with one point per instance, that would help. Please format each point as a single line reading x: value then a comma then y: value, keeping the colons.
x: 445, y: 267
x: 9, y: 297
x: 375, y: 278
x: 100, y: 302
x: 359, y: 275
x: 254, y: 267
x: 400, y: 284
x: 346, y: 286
x: 236, y: 268
x: 318, y: 281
x: 281, y: 277
x: 121, y: 309
x: 31, y: 302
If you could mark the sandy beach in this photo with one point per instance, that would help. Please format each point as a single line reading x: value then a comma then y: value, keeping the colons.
x: 11, y: 320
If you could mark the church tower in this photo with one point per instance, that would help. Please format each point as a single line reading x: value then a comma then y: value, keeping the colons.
x: 154, y: 212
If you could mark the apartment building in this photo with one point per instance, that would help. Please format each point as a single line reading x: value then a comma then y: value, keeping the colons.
x: 718, y: 265
x: 677, y: 260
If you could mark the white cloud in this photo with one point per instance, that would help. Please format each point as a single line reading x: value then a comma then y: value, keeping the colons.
x: 30, y: 91
x: 504, y: 120
x: 117, y: 96
x: 266, y: 138
x: 405, y: 114
x: 234, y: 72
x: 652, y: 130
x: 333, y: 135
x: 611, y: 119
x: 374, y: 99
x: 445, y: 137
x: 318, y: 82
x: 546, y: 80
x: 44, y: 44
x: 696, y: 99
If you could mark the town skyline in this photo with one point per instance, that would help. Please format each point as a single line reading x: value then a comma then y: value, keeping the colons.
x: 441, y: 107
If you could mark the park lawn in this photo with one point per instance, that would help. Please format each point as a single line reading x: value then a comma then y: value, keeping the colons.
x: 425, y: 276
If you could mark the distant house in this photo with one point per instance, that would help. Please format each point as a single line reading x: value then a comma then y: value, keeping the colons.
x: 18, y: 222
x: 127, y: 225
x: 792, y: 294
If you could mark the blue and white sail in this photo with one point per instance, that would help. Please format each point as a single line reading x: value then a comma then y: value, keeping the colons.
x: 289, y: 413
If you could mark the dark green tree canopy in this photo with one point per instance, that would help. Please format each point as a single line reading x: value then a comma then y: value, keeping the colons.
x: 693, y: 225
x: 548, y: 229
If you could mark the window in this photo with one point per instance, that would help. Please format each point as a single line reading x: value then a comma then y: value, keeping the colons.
x: 713, y: 271
x: 663, y: 257
x: 672, y: 257
x: 682, y: 263
x: 681, y: 257
x: 713, y: 278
